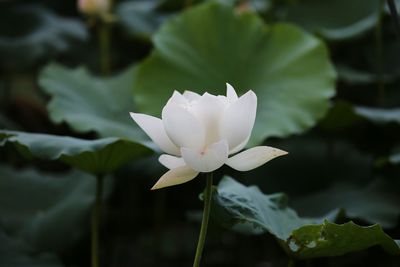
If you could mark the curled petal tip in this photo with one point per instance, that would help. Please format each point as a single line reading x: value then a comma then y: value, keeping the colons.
x: 133, y: 115
x: 154, y: 187
x: 280, y: 152
x: 275, y: 152
x: 175, y: 176
x: 176, y: 93
x: 251, y: 92
x: 231, y: 93
x: 254, y: 157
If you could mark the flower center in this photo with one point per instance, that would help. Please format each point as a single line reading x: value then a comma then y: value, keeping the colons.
x: 203, y: 151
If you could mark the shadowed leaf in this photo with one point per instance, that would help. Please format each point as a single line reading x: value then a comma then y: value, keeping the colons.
x: 99, y: 156
x: 248, y: 210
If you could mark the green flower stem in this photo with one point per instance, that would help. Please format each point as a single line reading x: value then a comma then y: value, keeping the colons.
x: 204, y: 222
x: 104, y: 31
x: 291, y: 263
x: 96, y: 215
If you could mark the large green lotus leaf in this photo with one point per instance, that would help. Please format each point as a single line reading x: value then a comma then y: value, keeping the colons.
x: 248, y: 210
x: 99, y: 156
x: 375, y: 202
x: 88, y: 103
x: 16, y: 252
x: 49, y: 211
x: 40, y: 34
x: 334, y: 19
x: 204, y: 47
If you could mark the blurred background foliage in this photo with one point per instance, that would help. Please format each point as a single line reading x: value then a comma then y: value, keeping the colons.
x: 327, y: 77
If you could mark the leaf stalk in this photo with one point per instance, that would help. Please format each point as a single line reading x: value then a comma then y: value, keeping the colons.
x: 96, y: 219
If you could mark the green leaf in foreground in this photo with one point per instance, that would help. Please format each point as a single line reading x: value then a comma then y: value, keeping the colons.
x: 99, y: 156
x: 248, y: 210
x: 87, y: 103
x: 329, y: 239
x: 48, y: 211
x: 16, y: 252
x: 206, y: 46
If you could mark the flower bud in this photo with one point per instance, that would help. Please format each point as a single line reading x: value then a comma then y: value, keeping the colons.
x: 94, y: 7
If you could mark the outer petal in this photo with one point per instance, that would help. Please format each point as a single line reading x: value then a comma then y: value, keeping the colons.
x: 207, y: 160
x: 238, y: 120
x: 231, y: 93
x: 240, y: 146
x: 182, y: 127
x: 171, y: 162
x: 154, y: 128
x: 175, y: 176
x: 254, y: 157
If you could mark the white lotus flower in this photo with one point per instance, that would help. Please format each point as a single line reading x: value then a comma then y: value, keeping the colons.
x: 199, y: 133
